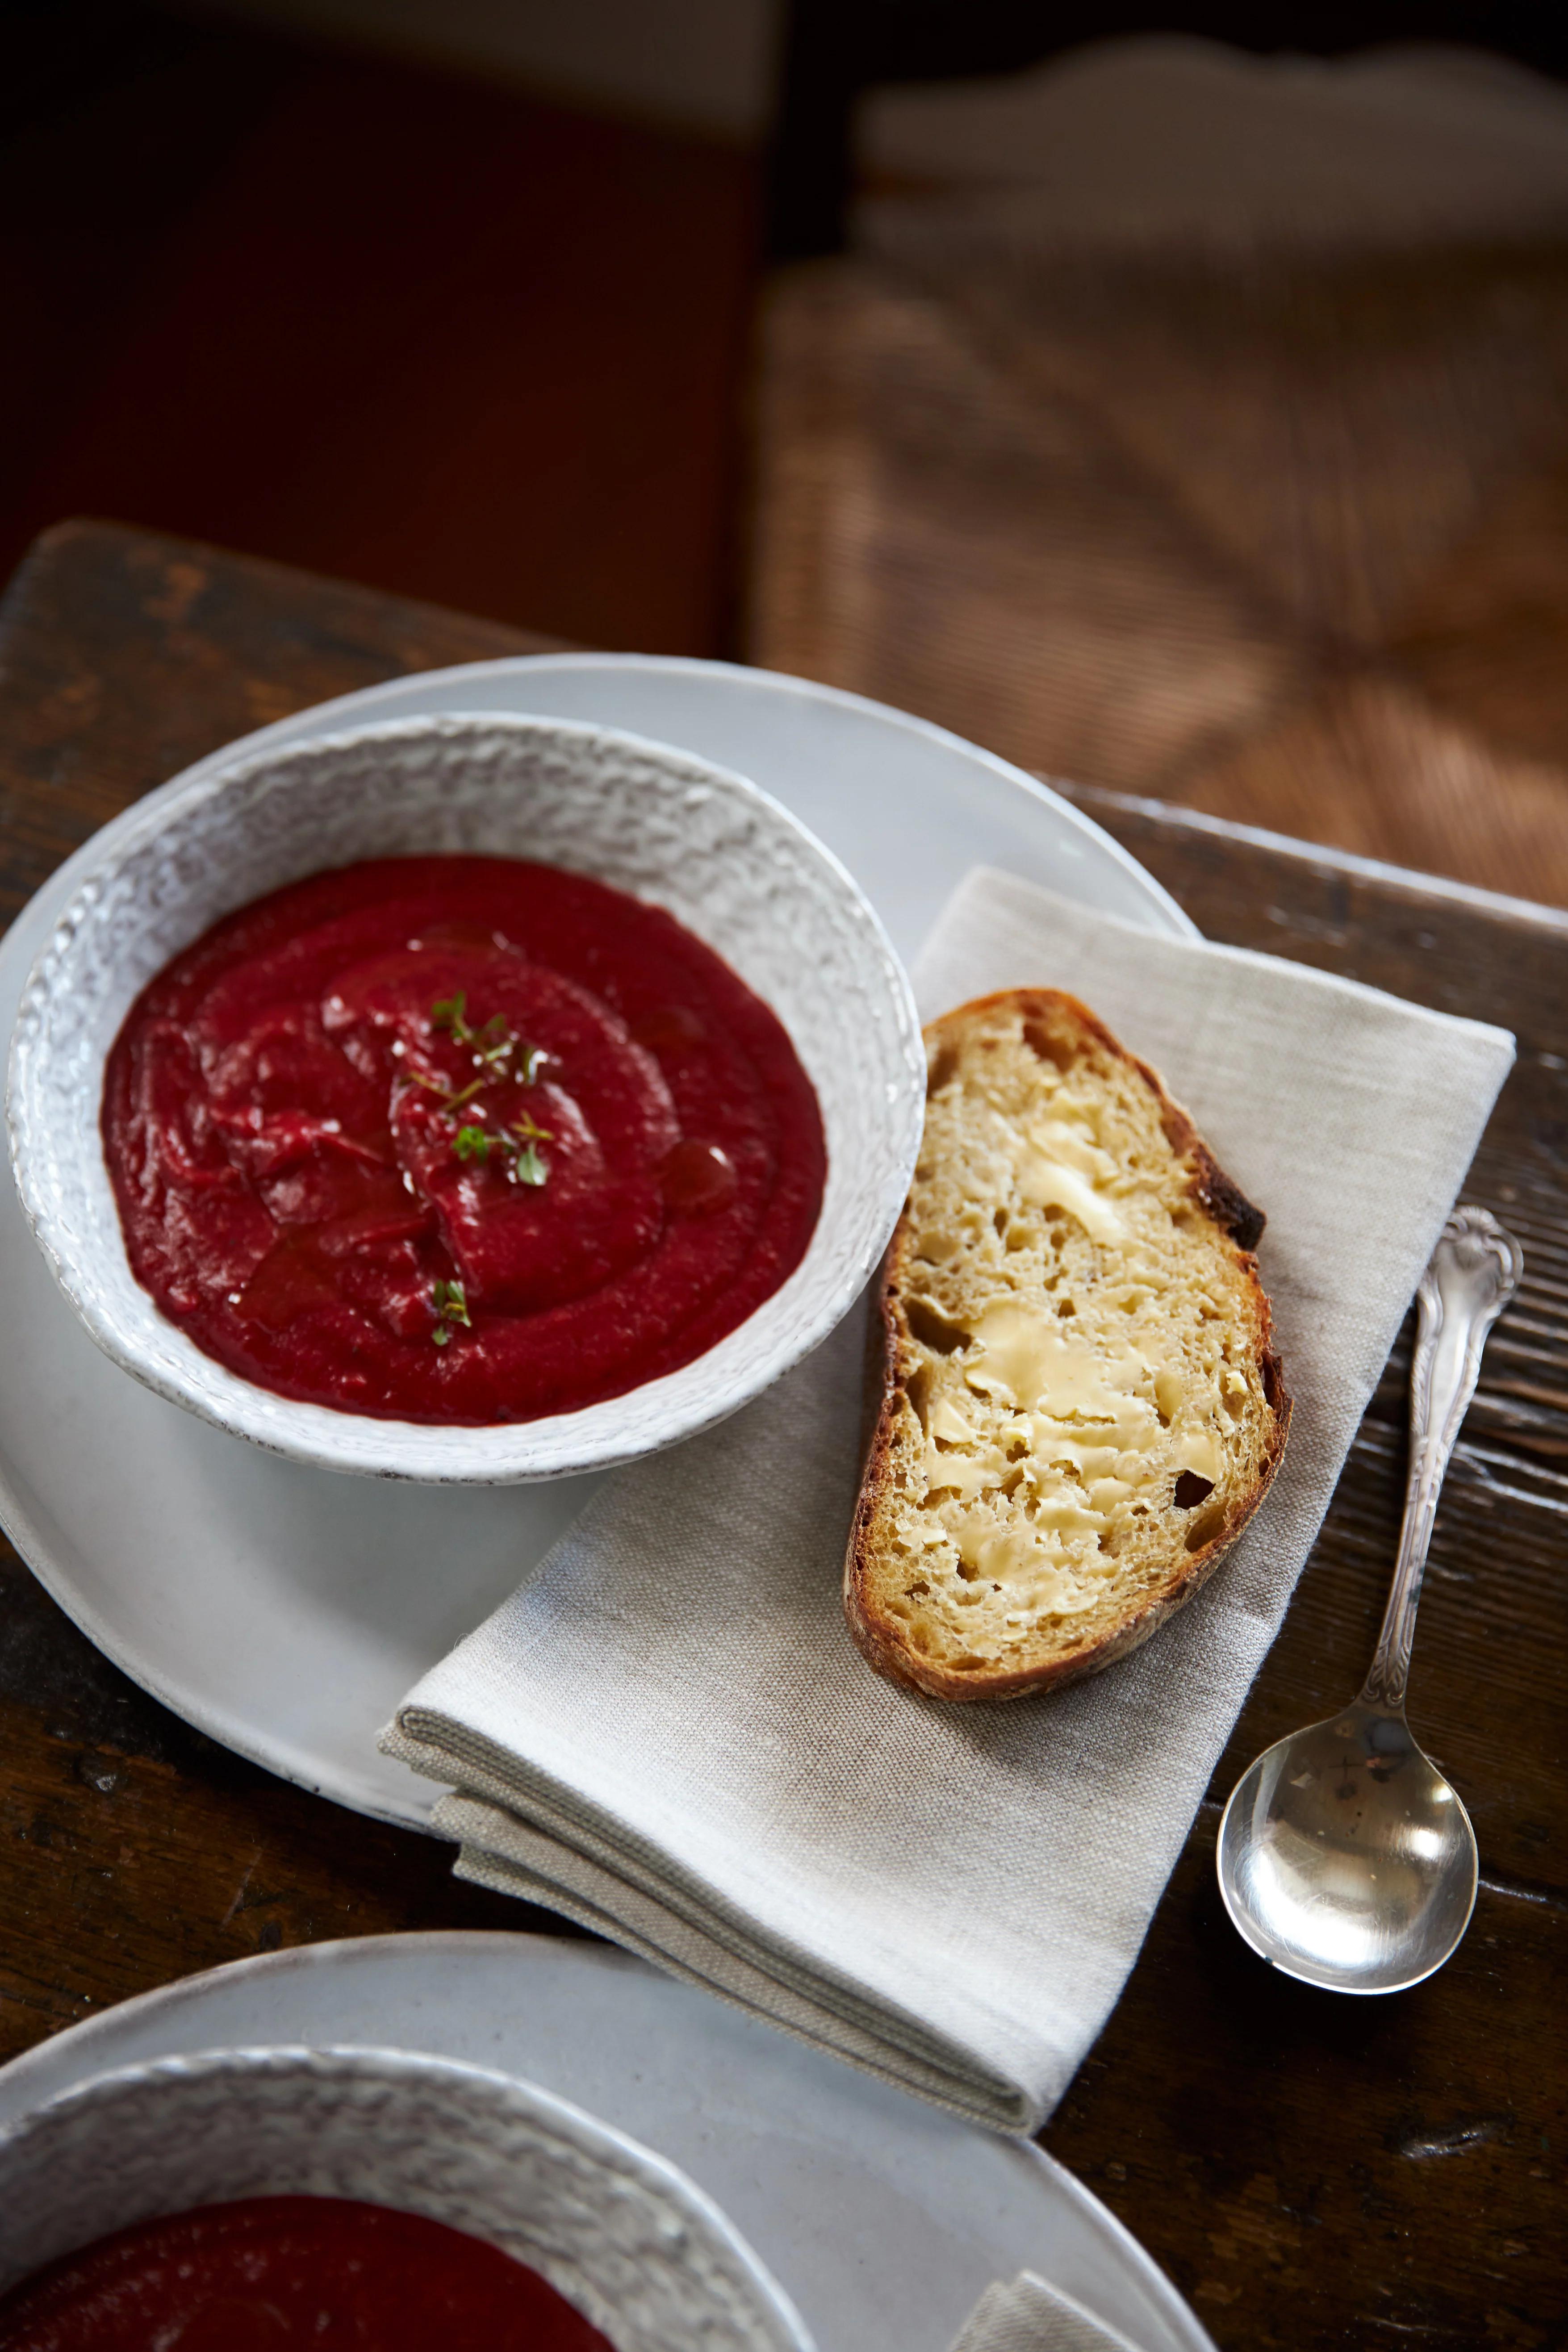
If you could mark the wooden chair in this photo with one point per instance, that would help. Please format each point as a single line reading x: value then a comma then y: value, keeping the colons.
x: 1275, y: 526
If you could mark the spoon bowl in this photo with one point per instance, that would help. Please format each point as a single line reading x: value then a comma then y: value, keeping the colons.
x: 1346, y: 1859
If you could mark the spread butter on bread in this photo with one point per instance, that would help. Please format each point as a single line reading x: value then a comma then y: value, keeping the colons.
x: 1078, y: 1404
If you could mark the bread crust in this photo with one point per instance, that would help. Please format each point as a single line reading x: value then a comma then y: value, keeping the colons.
x: 881, y: 1638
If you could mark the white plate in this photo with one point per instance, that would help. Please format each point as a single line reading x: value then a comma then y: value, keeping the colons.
x: 283, y: 1610
x: 882, y: 2218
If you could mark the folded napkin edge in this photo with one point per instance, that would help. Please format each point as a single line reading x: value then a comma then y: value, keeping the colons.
x: 520, y: 1804
x: 1031, y: 896
x: 1003, y: 2108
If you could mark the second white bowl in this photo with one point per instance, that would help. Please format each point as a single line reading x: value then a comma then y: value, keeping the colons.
x: 624, y: 2236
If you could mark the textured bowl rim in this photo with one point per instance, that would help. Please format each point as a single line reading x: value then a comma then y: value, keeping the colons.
x: 553, y: 1445
x: 609, y: 2147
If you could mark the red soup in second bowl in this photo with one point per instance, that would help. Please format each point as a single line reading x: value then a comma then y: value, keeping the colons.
x: 269, y: 2273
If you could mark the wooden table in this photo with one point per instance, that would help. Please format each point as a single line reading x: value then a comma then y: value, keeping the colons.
x: 1314, y: 2172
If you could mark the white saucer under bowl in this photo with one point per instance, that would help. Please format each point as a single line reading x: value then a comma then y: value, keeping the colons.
x: 664, y: 826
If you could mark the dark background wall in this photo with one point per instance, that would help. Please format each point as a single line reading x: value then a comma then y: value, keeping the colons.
x: 392, y: 314
x: 394, y: 322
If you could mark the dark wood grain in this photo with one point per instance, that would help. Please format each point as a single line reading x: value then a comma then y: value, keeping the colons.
x: 1314, y: 2173
x: 124, y: 656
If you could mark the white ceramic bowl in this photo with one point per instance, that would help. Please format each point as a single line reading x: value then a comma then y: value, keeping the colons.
x: 631, y: 2242
x: 714, y: 851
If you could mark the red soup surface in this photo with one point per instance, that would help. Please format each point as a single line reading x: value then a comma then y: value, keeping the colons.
x: 458, y: 1140
x: 266, y: 2272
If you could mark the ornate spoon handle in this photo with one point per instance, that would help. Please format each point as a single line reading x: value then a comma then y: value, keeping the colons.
x: 1474, y: 1273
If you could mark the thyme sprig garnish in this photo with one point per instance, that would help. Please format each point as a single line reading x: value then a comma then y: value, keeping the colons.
x: 451, y: 1099
x: 451, y: 1308
x: 516, y: 1144
x: 500, y: 1056
x: 492, y: 1044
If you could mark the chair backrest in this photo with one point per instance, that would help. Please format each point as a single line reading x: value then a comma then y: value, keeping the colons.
x: 833, y: 50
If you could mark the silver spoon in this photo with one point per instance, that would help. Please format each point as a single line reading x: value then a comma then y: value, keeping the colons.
x: 1344, y: 1856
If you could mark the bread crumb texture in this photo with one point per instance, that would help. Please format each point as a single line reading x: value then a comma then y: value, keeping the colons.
x: 1079, y: 1404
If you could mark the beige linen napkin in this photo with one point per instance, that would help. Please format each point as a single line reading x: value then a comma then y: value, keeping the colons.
x: 1025, y: 2314
x: 667, y: 1733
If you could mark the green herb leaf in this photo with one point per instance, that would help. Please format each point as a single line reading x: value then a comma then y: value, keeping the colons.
x: 492, y: 1047
x: 517, y: 1145
x: 451, y: 1306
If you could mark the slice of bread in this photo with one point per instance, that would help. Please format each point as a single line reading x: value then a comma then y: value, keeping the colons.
x: 1078, y: 1405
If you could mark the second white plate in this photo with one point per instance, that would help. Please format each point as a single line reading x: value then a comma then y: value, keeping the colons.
x: 883, y: 2219
x: 285, y: 1611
